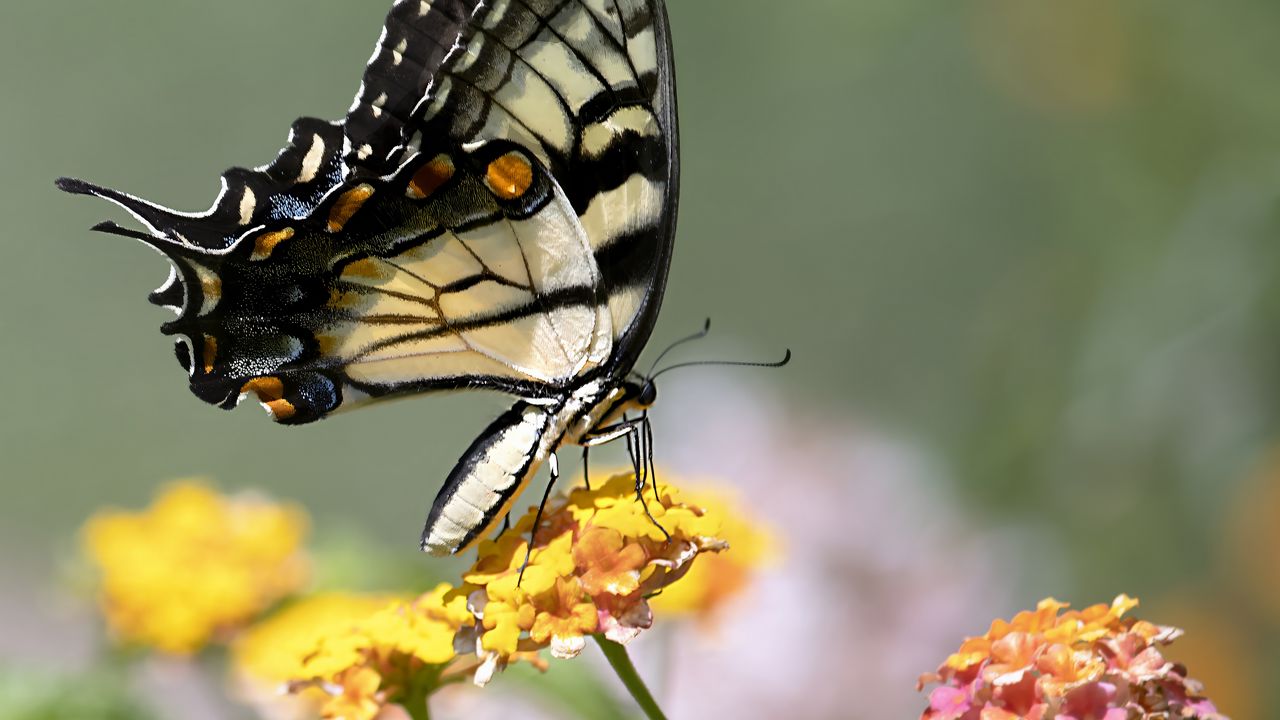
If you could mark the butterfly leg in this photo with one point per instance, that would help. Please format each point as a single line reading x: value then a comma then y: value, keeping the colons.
x: 553, y: 465
x: 633, y: 431
x: 641, y: 456
x: 586, y: 466
x: 648, y: 454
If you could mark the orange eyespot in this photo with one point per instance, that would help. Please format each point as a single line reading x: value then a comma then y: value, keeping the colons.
x: 510, y: 176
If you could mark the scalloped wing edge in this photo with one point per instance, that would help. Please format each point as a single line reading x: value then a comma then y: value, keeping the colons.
x: 289, y: 187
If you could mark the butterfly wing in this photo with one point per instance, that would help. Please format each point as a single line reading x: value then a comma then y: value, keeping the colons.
x: 586, y: 85
x: 495, y: 211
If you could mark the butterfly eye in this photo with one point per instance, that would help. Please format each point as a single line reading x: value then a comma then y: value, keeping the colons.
x: 648, y: 394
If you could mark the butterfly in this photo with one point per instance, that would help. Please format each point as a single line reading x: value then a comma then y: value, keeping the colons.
x: 496, y: 211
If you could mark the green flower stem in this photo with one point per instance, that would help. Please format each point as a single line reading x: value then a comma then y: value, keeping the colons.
x: 417, y: 699
x: 621, y: 663
x: 417, y: 707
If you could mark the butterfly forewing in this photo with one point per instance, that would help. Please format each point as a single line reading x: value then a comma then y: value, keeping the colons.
x: 585, y: 85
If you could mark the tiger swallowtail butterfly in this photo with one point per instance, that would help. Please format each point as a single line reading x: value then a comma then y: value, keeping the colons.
x: 496, y: 211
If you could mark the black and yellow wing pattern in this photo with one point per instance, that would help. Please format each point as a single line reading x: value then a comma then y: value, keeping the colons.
x: 496, y: 211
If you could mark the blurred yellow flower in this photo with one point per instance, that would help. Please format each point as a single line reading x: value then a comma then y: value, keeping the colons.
x: 718, y: 578
x: 194, y: 565
x: 1252, y: 533
x: 596, y: 562
x: 272, y: 652
x: 1046, y: 663
x: 361, y: 659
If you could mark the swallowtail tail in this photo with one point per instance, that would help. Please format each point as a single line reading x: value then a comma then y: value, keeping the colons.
x: 495, y: 211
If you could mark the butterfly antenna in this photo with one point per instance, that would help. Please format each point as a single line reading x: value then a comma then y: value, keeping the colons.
x: 706, y: 328
x: 726, y: 363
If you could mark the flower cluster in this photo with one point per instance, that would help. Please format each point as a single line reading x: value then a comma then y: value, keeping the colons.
x: 597, y: 558
x: 351, y: 656
x: 275, y: 651
x: 194, y: 565
x: 1091, y: 663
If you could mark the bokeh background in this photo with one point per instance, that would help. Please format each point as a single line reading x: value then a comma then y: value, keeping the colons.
x: 1026, y: 254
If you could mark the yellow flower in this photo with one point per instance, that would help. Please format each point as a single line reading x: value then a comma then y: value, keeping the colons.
x: 1088, y: 663
x: 194, y: 565
x: 364, y: 653
x: 356, y: 697
x: 274, y: 650
x: 597, y: 559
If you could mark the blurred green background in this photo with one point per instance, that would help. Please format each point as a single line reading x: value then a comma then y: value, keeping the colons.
x: 1038, y: 239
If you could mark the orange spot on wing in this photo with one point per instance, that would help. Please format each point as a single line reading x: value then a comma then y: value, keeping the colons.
x: 282, y: 409
x: 510, y: 176
x: 210, y: 353
x: 268, y: 389
x: 430, y: 177
x: 348, y: 204
x: 368, y: 269
x: 344, y: 299
x: 326, y: 344
x: 211, y: 287
x: 266, y: 243
x: 270, y: 392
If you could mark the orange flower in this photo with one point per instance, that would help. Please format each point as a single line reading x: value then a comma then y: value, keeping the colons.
x: 567, y: 617
x: 1092, y: 663
x: 606, y: 563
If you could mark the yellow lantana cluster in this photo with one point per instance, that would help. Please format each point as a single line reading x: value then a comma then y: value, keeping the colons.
x: 597, y: 558
x: 273, y: 652
x: 358, y: 663
x: 1046, y: 663
x: 194, y: 565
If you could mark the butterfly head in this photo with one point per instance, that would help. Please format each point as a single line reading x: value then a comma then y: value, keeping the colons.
x: 637, y: 393
x: 647, y: 394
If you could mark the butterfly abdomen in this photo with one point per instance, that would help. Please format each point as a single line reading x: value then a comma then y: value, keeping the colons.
x: 488, y: 477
